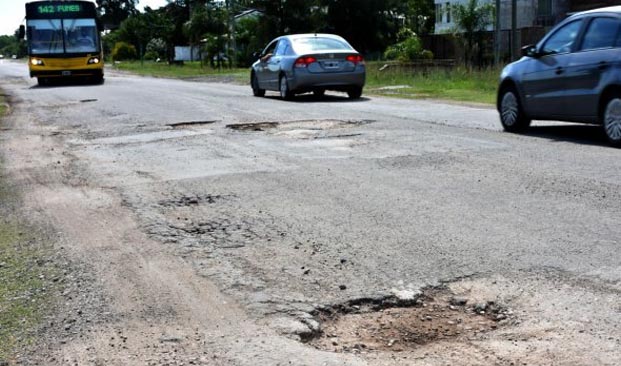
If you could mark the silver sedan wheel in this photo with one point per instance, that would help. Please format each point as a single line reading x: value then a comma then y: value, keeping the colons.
x: 612, y: 120
x: 509, y: 109
x: 284, y: 88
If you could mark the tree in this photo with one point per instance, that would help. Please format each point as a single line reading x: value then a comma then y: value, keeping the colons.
x: 208, y: 21
x: 472, y: 20
x: 285, y: 16
x: 369, y: 25
x: 421, y: 16
x: 12, y: 45
x: 135, y: 30
x: 113, y: 12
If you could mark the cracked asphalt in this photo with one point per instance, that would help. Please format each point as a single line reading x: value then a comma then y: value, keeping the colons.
x: 215, y: 226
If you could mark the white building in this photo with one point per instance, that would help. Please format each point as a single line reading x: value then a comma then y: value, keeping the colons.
x: 529, y: 13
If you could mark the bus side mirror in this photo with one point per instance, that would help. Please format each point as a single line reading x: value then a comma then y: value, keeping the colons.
x: 21, y: 33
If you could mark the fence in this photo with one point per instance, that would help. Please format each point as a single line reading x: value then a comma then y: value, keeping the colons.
x: 447, y: 46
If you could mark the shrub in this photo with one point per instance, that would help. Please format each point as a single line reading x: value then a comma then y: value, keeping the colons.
x: 124, y: 51
x: 426, y: 55
x: 150, y: 55
x: 156, y: 48
x: 408, y: 49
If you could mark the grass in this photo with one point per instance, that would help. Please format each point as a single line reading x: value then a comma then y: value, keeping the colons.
x: 186, y: 70
x: 24, y: 275
x: 458, y: 84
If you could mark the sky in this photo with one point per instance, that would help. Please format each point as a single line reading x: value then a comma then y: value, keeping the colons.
x: 12, y: 13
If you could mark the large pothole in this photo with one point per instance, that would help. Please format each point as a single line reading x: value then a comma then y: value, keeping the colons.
x: 299, y: 128
x: 435, y: 315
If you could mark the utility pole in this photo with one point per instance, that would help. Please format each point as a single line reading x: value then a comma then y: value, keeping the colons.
x: 513, y: 29
x: 232, y: 42
x: 497, y: 34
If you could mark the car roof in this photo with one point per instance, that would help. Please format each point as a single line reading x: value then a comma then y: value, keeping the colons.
x: 609, y: 9
x: 311, y: 35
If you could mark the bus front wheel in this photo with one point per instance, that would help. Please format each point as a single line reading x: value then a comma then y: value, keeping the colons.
x: 99, y: 79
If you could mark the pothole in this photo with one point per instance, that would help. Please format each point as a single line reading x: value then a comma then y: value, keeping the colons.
x: 395, y: 325
x: 88, y: 100
x: 258, y: 126
x: 190, y: 124
x: 318, y: 124
x: 194, y: 200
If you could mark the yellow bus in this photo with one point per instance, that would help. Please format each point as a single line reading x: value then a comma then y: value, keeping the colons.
x: 63, y: 41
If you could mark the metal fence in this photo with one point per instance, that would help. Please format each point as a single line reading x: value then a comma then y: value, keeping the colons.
x: 448, y: 46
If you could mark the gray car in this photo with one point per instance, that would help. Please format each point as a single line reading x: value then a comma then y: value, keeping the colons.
x: 573, y: 74
x: 302, y: 63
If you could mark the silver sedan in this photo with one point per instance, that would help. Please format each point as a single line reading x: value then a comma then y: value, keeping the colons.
x: 303, y: 63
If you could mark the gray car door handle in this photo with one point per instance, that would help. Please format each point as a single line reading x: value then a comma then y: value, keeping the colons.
x: 602, y: 65
x: 559, y: 70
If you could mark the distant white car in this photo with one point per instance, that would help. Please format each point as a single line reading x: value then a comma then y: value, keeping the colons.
x: 14, y: 57
x: 1, y: 56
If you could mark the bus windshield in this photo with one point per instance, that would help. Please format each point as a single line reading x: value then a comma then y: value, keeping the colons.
x: 57, y: 36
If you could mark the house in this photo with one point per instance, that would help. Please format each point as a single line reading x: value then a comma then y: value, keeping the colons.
x: 530, y: 13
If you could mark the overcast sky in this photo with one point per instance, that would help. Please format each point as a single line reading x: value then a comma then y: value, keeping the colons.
x: 12, y: 13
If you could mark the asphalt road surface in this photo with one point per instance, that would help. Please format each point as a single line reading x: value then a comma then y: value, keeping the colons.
x: 211, y: 227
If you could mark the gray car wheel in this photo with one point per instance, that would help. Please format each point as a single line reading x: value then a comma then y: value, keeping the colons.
x: 612, y: 120
x: 256, y: 91
x: 512, y: 117
x: 355, y: 92
x: 319, y: 92
x: 285, y: 93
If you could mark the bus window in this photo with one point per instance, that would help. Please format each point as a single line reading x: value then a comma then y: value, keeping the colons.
x: 45, y: 36
x: 80, y: 35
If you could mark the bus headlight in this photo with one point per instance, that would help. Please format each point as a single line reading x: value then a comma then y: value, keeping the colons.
x: 36, y: 62
x: 93, y: 60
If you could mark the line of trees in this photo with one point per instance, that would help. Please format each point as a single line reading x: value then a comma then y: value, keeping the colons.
x: 215, y: 25
x: 12, y: 45
x: 378, y: 28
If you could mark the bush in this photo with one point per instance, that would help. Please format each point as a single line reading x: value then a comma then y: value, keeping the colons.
x: 408, y: 49
x: 124, y: 51
x: 426, y: 55
x: 156, y: 48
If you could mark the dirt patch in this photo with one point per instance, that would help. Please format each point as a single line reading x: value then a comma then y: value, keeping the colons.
x: 395, y: 326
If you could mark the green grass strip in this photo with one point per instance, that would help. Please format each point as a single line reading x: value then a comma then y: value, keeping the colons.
x: 187, y: 70
x: 457, y: 84
x: 25, y: 275
x: 413, y: 82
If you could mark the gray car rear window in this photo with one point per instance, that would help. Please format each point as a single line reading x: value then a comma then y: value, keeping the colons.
x: 315, y: 44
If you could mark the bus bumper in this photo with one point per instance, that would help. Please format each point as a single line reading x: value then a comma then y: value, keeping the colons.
x: 66, y: 73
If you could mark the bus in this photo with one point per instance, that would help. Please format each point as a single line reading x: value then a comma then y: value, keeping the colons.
x: 64, y: 41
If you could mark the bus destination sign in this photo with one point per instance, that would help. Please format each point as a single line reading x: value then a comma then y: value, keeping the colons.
x: 59, y: 9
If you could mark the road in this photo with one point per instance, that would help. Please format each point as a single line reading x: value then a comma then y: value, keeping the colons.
x: 211, y: 227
